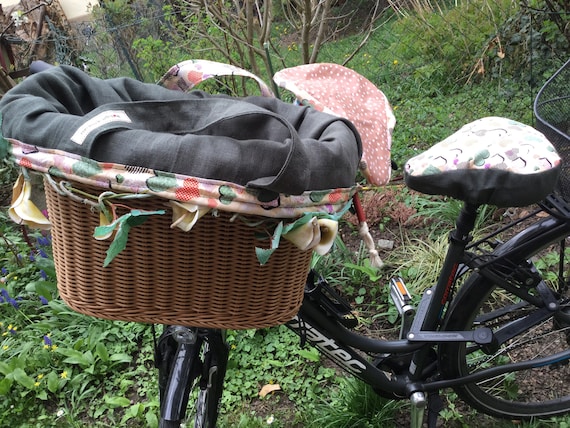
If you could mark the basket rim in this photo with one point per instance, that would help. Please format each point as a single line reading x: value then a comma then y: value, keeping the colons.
x: 204, y: 192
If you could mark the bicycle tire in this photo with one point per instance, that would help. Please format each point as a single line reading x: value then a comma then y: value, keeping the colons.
x: 534, y: 393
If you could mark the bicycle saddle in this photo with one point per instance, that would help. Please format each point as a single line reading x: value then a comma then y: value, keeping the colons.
x: 492, y: 160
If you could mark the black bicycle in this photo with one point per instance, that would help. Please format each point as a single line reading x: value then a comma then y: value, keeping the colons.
x: 491, y: 325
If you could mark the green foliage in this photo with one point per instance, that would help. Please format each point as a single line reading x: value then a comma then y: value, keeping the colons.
x: 155, y: 55
x: 354, y: 404
x: 273, y: 356
x: 423, y: 121
x: 8, y: 175
x: 440, y: 213
x: 54, y: 358
x: 452, y: 40
x: 418, y: 262
x: 533, y: 41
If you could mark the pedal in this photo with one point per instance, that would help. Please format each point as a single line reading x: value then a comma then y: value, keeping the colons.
x: 322, y: 293
x: 400, y: 296
x: 403, y: 302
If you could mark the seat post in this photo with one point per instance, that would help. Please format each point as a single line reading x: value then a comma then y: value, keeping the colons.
x: 438, y: 295
x: 459, y: 238
x: 465, y: 223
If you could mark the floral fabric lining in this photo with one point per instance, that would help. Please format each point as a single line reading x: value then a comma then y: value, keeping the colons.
x: 187, y: 74
x: 212, y: 194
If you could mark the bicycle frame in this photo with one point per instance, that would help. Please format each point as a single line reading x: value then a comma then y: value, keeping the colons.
x: 325, y: 332
x: 417, y: 371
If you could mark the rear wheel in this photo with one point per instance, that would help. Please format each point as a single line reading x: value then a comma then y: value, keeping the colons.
x: 524, y: 332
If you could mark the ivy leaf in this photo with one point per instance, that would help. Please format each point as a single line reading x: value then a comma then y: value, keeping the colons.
x: 263, y: 254
x: 122, y: 226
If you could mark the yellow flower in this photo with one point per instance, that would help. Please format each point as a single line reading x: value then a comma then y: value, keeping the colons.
x: 5, y: 347
x: 11, y: 329
x: 395, y: 62
x: 63, y: 374
x: 53, y: 347
x: 36, y: 384
x: 40, y: 376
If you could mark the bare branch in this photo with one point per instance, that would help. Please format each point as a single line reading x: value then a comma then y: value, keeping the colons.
x: 321, y: 31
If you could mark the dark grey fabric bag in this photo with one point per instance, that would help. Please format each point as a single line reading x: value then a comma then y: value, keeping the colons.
x: 257, y: 142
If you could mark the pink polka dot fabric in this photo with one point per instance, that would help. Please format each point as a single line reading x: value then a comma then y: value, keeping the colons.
x: 338, y: 90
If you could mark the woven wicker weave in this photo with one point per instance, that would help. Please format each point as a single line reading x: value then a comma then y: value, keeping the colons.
x: 208, y: 277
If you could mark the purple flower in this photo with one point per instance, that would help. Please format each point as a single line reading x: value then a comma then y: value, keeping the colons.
x: 44, y: 241
x: 43, y: 300
x: 4, y: 271
x: 47, y: 341
x: 6, y: 298
x: 43, y: 274
x: 42, y: 254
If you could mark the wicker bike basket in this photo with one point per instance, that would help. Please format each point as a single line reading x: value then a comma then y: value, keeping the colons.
x: 552, y: 111
x: 207, y: 277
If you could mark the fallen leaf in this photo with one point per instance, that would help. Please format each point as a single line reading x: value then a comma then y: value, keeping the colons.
x: 270, y: 387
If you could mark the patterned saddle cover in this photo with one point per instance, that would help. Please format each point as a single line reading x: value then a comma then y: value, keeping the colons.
x: 492, y: 160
